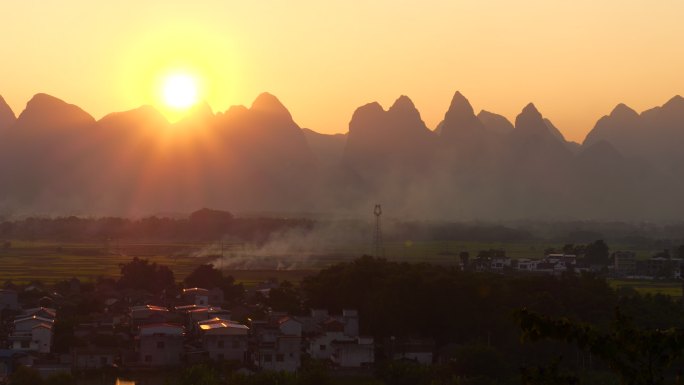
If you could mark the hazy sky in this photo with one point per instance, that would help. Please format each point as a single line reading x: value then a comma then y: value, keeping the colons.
x: 574, y: 59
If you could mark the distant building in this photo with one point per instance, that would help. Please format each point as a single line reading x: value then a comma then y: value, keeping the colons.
x: 500, y: 263
x: 8, y: 300
x: 658, y: 267
x: 197, y: 296
x: 356, y: 353
x: 624, y: 263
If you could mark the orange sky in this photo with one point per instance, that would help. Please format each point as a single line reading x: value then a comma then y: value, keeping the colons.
x: 574, y: 59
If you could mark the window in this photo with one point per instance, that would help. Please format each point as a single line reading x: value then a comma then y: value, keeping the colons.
x: 267, y: 358
x: 220, y: 344
x: 280, y: 357
x: 322, y: 347
x: 25, y: 344
x: 160, y: 344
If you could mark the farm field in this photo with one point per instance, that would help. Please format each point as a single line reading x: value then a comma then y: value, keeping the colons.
x: 50, y: 261
x: 671, y: 288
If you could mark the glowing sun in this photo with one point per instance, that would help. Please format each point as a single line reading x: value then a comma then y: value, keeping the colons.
x: 180, y: 91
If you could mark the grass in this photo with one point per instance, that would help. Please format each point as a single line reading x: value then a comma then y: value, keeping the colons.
x: 53, y: 262
x: 671, y: 288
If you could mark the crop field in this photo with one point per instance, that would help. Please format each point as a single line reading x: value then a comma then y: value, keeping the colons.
x: 50, y: 261
x: 671, y: 288
x: 447, y: 251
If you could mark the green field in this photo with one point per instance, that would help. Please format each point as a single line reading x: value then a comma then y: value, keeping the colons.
x: 53, y: 261
x: 671, y: 288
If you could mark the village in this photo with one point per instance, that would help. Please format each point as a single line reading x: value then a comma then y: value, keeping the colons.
x: 137, y: 331
x: 623, y: 264
x: 79, y: 327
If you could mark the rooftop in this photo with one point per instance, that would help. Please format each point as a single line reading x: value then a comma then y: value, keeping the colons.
x: 148, y: 307
x: 195, y: 290
x: 35, y: 317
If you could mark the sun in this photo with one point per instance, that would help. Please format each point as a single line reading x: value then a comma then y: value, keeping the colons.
x: 180, y: 91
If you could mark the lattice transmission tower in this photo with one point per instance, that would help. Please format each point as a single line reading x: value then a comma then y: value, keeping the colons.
x: 379, y: 248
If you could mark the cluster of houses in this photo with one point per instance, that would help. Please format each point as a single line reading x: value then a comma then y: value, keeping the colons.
x: 625, y: 265
x: 199, y: 331
x: 194, y: 329
x: 550, y: 264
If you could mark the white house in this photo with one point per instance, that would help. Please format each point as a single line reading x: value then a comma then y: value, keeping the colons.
x: 160, y: 344
x: 499, y: 263
x: 197, y: 296
x: 356, y: 353
x: 38, y: 338
x: 44, y: 312
x: 290, y: 326
x: 224, y: 339
x: 27, y: 323
x: 93, y: 358
x: 320, y: 345
x: 527, y: 264
x: 147, y: 311
x: 282, y: 355
x: 350, y: 319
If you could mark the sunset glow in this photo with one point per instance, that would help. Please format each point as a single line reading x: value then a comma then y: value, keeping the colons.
x: 574, y: 60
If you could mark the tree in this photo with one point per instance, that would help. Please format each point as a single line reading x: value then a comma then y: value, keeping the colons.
x: 551, y: 375
x: 61, y: 379
x: 314, y: 372
x: 198, y: 375
x: 679, y: 251
x: 209, y: 277
x: 285, y: 298
x: 405, y: 373
x: 26, y: 376
x: 573, y: 249
x: 479, y: 360
x: 205, y: 276
x: 597, y: 253
x: 637, y: 356
x: 140, y: 274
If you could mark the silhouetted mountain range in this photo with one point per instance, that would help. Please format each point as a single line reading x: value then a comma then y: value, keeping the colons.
x: 56, y: 159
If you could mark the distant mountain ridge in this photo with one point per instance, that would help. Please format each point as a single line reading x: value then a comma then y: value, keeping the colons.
x: 56, y: 158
